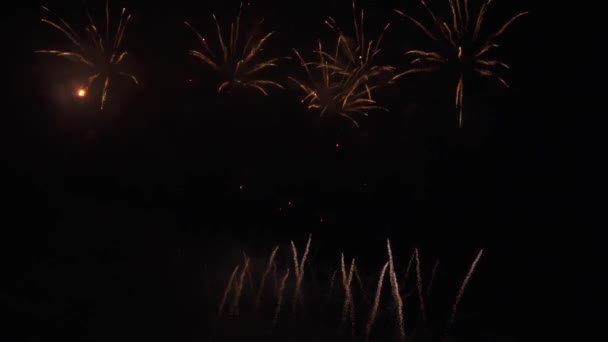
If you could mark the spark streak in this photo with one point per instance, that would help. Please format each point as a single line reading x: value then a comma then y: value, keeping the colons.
x: 458, y: 42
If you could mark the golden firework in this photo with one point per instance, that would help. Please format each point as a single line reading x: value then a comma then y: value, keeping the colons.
x: 237, y: 57
x: 459, y: 41
x: 101, y: 52
x: 342, y: 82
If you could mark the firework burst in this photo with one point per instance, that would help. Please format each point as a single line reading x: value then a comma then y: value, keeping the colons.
x: 237, y: 58
x: 102, y: 52
x: 342, y: 82
x: 459, y: 42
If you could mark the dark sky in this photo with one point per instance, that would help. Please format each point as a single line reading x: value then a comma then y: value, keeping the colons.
x: 162, y: 169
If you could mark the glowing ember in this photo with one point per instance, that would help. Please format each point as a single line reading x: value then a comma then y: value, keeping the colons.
x: 100, y: 50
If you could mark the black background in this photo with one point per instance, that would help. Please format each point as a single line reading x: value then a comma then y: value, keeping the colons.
x: 100, y: 207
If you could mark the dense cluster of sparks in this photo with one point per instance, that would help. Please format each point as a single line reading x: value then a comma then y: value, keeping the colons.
x: 353, y: 299
x: 237, y: 59
x: 342, y: 82
x: 460, y: 42
x: 101, y: 51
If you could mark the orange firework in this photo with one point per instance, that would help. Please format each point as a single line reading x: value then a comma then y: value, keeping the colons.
x: 237, y: 57
x: 342, y: 82
x: 459, y: 42
x: 101, y: 52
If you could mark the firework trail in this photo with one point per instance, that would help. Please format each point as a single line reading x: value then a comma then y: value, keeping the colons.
x: 430, y: 285
x: 395, y: 290
x: 226, y: 292
x: 341, y: 83
x: 459, y: 42
x: 265, y: 275
x: 331, y: 285
x: 280, y: 299
x: 349, y: 305
x: 102, y: 52
x: 374, y: 312
x: 461, y: 291
x: 420, y: 288
x: 238, y: 287
x: 408, y: 268
x: 299, y: 270
x: 238, y: 57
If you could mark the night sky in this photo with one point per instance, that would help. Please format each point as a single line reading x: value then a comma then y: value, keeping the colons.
x: 109, y: 214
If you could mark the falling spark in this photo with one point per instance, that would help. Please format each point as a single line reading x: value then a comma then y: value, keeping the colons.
x: 349, y: 305
x: 249, y: 275
x: 239, y: 289
x: 238, y: 57
x: 207, y: 281
x: 395, y: 290
x: 341, y: 83
x: 226, y: 292
x: 265, y: 275
x: 374, y: 312
x: 299, y: 270
x: 460, y: 44
x: 101, y: 53
x: 360, y: 284
x: 409, y: 267
x: 313, y: 272
x: 280, y: 300
x: 331, y: 284
x: 433, y: 272
x: 461, y: 291
x: 419, y: 286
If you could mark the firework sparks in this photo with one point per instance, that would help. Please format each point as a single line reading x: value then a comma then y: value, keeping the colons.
x: 459, y: 43
x: 341, y: 83
x: 101, y: 52
x: 237, y: 57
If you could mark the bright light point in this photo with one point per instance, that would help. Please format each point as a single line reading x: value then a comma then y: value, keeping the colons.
x: 321, y: 220
x: 241, y: 187
x: 81, y: 92
x: 289, y: 203
x: 337, y: 145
